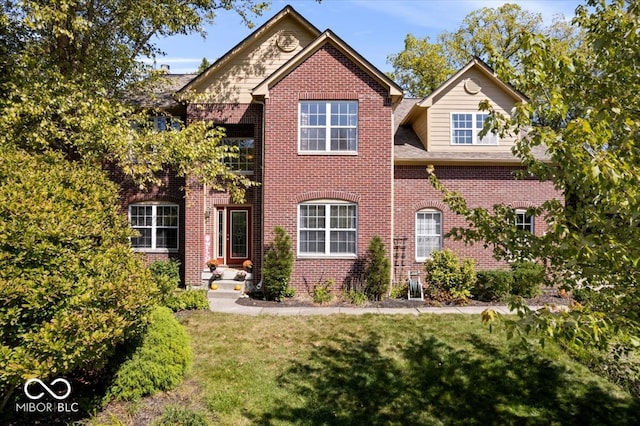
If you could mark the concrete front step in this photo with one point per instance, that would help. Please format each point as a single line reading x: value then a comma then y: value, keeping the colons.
x: 226, y: 289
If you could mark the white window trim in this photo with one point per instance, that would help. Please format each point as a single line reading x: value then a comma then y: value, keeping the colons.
x: 327, y: 149
x: 327, y: 254
x: 533, y: 220
x: 153, y: 249
x: 475, y: 138
x: 423, y: 259
x: 232, y: 160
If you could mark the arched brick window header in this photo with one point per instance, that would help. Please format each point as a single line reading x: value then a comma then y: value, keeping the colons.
x: 430, y: 204
x: 327, y: 195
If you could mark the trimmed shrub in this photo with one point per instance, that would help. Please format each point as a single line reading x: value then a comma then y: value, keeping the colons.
x: 492, y: 285
x: 399, y: 291
x: 166, y: 274
x: 528, y: 279
x: 321, y: 292
x: 159, y: 363
x: 278, y: 266
x: 185, y: 300
x: 446, y: 278
x: 356, y: 297
x: 377, y: 271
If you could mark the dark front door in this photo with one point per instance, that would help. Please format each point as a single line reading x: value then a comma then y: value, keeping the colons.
x: 238, y: 235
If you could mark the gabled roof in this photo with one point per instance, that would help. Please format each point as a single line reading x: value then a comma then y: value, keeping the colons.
x: 395, y: 92
x: 287, y: 11
x: 474, y: 63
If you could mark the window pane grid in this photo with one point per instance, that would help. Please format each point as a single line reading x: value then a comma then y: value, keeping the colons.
x: 246, y: 152
x: 157, y: 225
x: 341, y: 129
x: 428, y: 233
x: 319, y: 223
x: 465, y: 128
x: 524, y: 221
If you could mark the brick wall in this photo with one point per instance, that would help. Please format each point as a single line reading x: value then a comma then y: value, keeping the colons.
x: 240, y: 119
x: 291, y: 178
x: 481, y: 186
x: 169, y: 190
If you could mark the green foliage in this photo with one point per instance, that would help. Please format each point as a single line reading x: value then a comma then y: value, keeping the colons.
x: 70, y: 70
x: 175, y: 415
x: 184, y: 300
x: 528, y: 279
x: 166, y: 274
x: 278, y: 266
x: 492, y: 285
x: 321, y: 292
x: 399, y: 291
x: 70, y: 287
x: 582, y: 112
x: 421, y: 67
x: 377, y: 271
x: 356, y: 297
x: 446, y: 278
x: 491, y: 34
x: 158, y: 364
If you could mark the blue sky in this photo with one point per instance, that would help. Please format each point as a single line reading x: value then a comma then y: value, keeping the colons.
x: 374, y: 28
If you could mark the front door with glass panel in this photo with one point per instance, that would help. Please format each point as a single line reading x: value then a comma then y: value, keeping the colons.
x: 238, y: 235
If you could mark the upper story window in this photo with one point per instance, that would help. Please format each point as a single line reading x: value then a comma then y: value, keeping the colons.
x: 428, y: 233
x: 465, y: 127
x: 157, y: 224
x: 328, y: 126
x: 524, y: 221
x: 163, y: 123
x: 244, y: 161
x: 327, y: 228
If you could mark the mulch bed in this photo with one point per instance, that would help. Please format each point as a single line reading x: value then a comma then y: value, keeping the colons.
x: 549, y: 297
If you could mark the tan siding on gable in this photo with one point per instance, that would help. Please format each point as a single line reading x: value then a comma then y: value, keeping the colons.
x: 233, y: 82
x: 458, y: 99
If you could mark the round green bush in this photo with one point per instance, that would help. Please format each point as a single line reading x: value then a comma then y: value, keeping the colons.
x: 492, y: 285
x: 158, y: 364
x: 528, y: 279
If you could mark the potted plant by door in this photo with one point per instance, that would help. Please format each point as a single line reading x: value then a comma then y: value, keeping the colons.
x: 247, y: 265
x: 212, y: 264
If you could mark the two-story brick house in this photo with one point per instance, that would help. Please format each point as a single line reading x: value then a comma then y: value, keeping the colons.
x: 339, y: 155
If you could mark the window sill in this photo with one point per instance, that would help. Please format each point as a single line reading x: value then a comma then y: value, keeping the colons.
x: 326, y: 257
x: 151, y: 250
x: 330, y: 153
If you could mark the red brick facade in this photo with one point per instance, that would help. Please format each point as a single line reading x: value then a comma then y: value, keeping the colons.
x: 364, y: 179
x: 386, y: 197
x: 481, y: 186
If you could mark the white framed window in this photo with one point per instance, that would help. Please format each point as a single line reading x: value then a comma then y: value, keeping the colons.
x: 524, y: 221
x: 162, y: 123
x: 428, y: 233
x: 157, y: 224
x: 327, y: 228
x: 328, y: 126
x: 246, y: 152
x: 465, y: 127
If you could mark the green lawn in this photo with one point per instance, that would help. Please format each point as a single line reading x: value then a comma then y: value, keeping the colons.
x: 383, y: 370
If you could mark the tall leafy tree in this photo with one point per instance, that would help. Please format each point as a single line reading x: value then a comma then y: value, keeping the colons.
x: 70, y: 287
x: 71, y: 63
x: 421, y: 67
x: 586, y: 115
x: 492, y: 34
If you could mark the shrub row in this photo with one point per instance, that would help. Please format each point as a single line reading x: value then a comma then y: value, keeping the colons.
x: 447, y: 278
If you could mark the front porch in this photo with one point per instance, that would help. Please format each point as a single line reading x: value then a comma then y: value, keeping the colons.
x: 226, y: 282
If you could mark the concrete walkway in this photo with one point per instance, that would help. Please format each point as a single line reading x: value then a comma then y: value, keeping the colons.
x: 230, y: 306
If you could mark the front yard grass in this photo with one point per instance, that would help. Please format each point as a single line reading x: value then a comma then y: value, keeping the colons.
x: 381, y: 370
